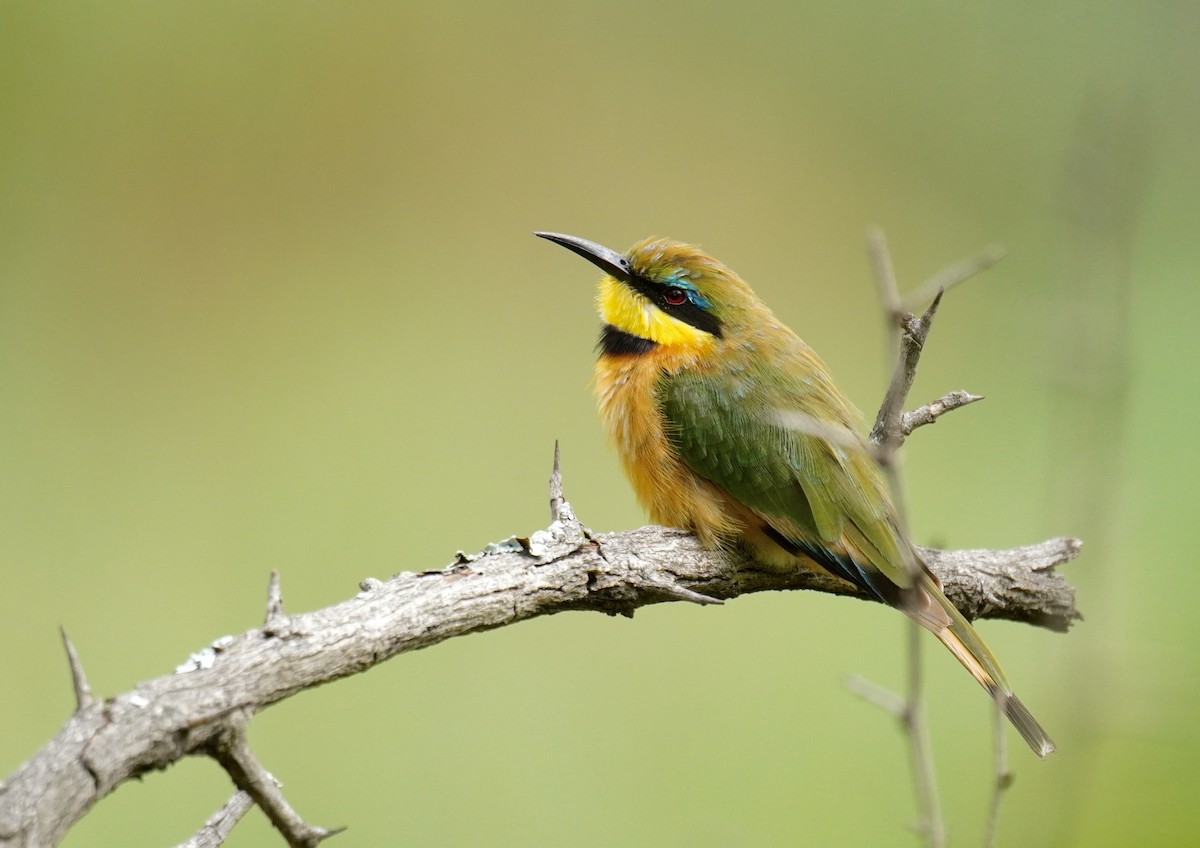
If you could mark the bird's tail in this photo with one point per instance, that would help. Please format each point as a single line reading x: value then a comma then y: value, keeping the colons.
x: 956, y: 633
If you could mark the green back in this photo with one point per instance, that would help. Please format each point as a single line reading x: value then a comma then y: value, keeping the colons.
x: 788, y: 448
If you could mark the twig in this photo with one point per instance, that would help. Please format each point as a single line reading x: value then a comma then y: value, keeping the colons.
x: 953, y: 275
x: 907, y: 335
x: 221, y: 823
x: 909, y: 712
x: 931, y: 412
x: 931, y: 825
x: 231, y: 750
x: 873, y: 693
x: 887, y: 431
x: 885, y: 278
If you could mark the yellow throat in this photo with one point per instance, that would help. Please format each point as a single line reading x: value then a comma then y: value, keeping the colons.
x: 633, y: 313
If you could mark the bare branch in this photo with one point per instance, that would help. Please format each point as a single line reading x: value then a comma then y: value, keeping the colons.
x: 971, y: 577
x: 218, y: 827
x: 167, y: 718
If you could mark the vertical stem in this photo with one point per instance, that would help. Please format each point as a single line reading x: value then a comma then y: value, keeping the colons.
x: 932, y: 826
x: 906, y: 338
x: 1003, y: 778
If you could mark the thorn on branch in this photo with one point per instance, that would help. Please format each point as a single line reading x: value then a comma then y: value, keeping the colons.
x: 927, y: 316
x: 682, y: 593
x: 931, y: 412
x: 79, y: 681
x: 556, y: 488
x: 277, y: 620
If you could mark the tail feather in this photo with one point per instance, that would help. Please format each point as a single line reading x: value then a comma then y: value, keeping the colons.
x: 969, y: 648
x: 1027, y: 726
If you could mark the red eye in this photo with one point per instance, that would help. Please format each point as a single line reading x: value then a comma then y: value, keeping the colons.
x: 675, y: 295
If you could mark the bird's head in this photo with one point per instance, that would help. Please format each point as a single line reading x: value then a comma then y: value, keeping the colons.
x: 664, y: 293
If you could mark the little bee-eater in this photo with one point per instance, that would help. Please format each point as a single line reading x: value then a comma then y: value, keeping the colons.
x: 730, y: 426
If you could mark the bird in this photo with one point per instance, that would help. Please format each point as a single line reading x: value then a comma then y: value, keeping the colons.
x: 729, y: 425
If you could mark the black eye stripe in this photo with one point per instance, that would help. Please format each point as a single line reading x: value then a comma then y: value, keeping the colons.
x: 685, y: 310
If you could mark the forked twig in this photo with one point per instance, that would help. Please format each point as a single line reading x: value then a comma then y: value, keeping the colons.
x: 906, y: 338
x: 232, y: 751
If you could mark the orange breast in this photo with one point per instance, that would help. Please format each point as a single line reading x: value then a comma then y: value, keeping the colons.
x: 626, y: 388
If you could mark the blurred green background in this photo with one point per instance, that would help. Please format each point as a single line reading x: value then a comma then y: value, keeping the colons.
x: 269, y: 299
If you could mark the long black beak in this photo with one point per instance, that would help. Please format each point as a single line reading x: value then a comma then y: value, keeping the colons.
x: 607, y: 260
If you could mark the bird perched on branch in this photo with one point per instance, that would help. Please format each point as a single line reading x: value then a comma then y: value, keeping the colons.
x: 730, y: 426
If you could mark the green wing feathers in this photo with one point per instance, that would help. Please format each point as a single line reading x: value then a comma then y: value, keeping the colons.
x: 791, y: 452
